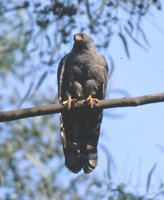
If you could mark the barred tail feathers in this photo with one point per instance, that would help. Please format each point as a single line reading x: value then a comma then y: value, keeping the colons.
x: 80, y: 140
x: 90, y: 136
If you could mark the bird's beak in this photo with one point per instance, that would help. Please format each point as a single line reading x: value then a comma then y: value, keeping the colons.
x: 78, y: 37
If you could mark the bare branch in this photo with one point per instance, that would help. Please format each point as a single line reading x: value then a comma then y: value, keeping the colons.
x: 23, y: 6
x: 103, y: 104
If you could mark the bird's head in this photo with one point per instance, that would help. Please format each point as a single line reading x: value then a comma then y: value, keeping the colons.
x: 82, y: 40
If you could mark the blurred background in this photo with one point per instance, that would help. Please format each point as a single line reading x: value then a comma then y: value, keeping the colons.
x: 34, y: 36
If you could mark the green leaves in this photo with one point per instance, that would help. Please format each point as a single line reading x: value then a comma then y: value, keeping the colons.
x: 37, y: 163
x: 149, y: 178
x: 125, y: 43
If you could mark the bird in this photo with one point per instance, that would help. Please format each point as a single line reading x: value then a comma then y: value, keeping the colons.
x: 82, y: 75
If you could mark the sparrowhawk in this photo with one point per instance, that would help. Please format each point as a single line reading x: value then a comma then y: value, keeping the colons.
x: 82, y: 74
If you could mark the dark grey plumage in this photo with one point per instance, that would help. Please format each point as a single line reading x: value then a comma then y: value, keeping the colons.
x: 81, y: 73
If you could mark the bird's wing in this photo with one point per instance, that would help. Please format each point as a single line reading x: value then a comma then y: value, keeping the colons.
x: 104, y: 64
x: 106, y: 71
x: 61, y: 91
x: 68, y: 121
x: 60, y: 76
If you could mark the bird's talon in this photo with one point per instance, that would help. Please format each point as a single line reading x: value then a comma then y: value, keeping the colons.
x: 92, y: 101
x: 69, y: 103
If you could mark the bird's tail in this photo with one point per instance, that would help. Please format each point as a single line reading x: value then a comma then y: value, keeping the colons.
x: 76, y: 159
x: 71, y: 148
x: 73, y: 158
x: 89, y: 138
x: 90, y: 158
x: 80, y: 141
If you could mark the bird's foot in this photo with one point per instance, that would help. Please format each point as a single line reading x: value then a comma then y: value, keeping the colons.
x: 69, y: 103
x: 92, y: 101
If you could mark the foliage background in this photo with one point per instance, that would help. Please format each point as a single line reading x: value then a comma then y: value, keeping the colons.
x: 34, y: 36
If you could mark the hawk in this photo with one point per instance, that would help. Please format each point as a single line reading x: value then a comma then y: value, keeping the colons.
x: 82, y: 74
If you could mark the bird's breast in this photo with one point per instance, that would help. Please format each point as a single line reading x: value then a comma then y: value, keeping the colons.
x: 83, y: 72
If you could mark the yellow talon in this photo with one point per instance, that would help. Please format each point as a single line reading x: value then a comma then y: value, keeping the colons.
x: 92, y: 101
x: 69, y: 102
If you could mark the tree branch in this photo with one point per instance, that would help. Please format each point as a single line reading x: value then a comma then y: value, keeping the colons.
x: 57, y: 108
